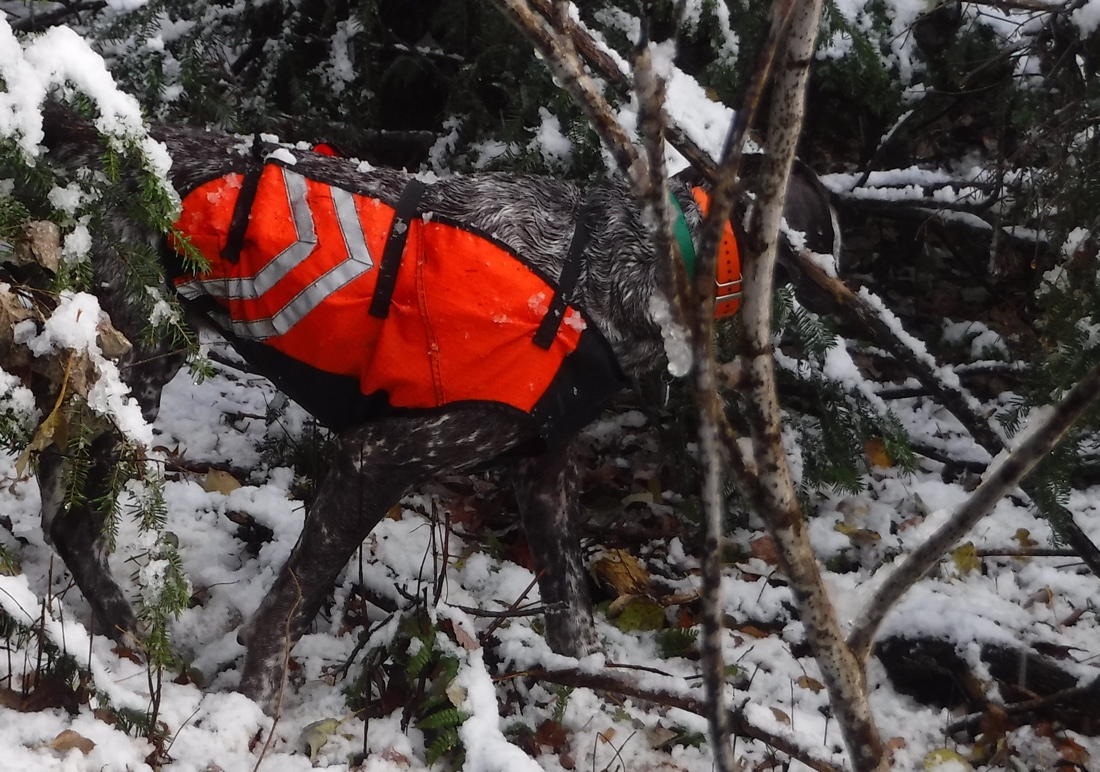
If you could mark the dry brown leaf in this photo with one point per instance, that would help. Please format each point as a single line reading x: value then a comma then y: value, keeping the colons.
x: 41, y: 243
x: 1043, y: 596
x: 69, y: 739
x: 622, y: 572
x: 552, y: 735
x: 1070, y: 750
x: 111, y: 342
x: 781, y: 716
x: 812, y: 684
x: 752, y: 631
x: 860, y: 537
x: 395, y: 756
x: 764, y: 549
x: 464, y: 639
x: 218, y: 481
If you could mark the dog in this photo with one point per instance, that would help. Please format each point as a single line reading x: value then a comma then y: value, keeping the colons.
x: 586, y: 275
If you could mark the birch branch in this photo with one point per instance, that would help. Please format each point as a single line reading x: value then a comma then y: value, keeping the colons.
x: 774, y: 492
x: 998, y: 483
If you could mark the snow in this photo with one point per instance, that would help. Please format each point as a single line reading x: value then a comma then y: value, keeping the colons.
x: 674, y: 335
x: 73, y: 326
x: 1087, y: 18
x: 555, y: 147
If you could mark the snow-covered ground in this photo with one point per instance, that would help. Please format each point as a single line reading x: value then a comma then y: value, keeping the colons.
x: 220, y: 423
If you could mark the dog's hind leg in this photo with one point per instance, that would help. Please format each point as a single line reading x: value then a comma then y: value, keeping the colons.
x: 77, y: 535
x: 547, y: 490
x: 376, y: 465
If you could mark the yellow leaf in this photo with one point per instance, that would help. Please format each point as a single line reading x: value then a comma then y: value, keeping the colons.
x: 218, y: 481
x: 640, y: 614
x: 781, y: 717
x: 966, y: 558
x: 1023, y: 536
x: 622, y: 571
x: 315, y: 735
x: 53, y: 431
x: 876, y: 454
x: 947, y: 758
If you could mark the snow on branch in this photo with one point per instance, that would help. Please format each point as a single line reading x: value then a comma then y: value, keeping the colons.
x: 998, y: 482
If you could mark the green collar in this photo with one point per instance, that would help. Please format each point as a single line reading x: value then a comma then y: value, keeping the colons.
x: 683, y: 237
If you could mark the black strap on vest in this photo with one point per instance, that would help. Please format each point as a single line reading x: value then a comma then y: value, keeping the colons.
x: 242, y: 210
x: 403, y: 214
x: 570, y: 272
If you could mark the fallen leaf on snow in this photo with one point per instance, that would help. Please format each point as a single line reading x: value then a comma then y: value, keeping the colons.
x: 218, y: 481
x: 315, y: 735
x: 69, y: 739
x: 622, y: 571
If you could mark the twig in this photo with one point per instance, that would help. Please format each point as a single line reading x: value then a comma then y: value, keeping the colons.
x: 773, y: 491
x: 515, y: 604
x: 36, y: 22
x: 869, y: 311
x: 510, y: 613
x: 1027, y: 706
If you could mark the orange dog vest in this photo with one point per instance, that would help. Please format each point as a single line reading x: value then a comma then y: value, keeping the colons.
x: 314, y: 297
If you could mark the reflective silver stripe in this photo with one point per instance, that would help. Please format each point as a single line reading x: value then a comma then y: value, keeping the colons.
x: 306, y: 300
x: 191, y: 290
x: 284, y: 262
x: 351, y: 228
x: 357, y: 263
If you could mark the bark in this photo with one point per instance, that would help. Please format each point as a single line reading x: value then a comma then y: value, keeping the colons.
x: 773, y: 490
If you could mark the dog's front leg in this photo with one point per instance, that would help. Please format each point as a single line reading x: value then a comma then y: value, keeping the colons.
x: 376, y: 465
x: 547, y: 490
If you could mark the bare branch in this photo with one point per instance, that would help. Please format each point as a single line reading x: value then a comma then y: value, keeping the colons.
x: 999, y: 482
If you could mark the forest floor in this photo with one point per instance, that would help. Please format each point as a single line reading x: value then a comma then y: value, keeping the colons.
x: 988, y: 629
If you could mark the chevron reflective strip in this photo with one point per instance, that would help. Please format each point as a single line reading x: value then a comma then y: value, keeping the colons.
x: 357, y: 262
